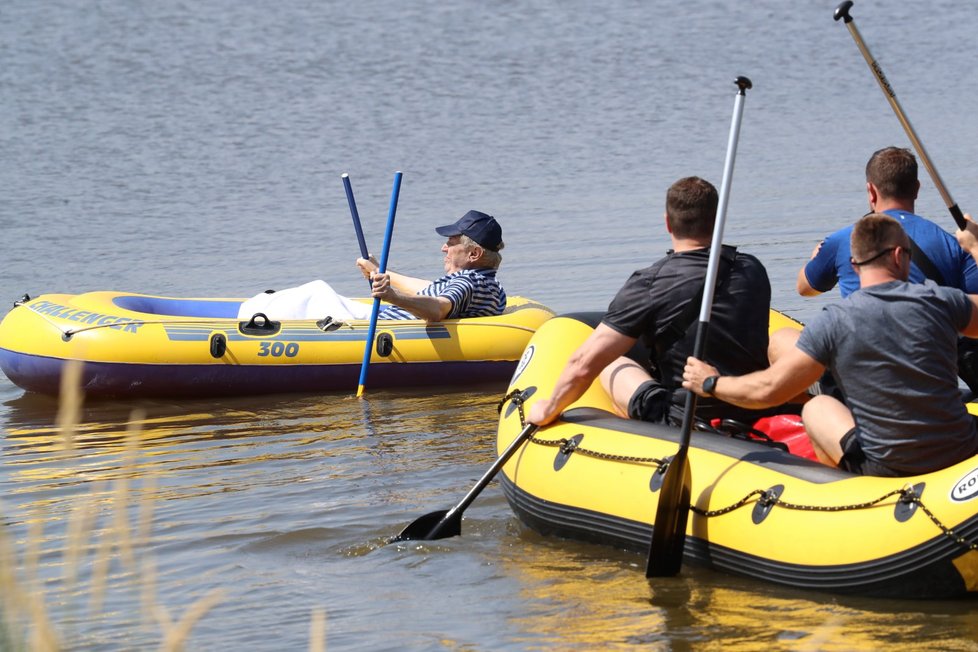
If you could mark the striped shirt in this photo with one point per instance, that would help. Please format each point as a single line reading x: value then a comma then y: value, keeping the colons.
x: 472, y: 293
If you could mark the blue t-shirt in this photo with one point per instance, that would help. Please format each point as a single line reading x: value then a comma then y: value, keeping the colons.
x: 831, y: 265
x: 472, y: 293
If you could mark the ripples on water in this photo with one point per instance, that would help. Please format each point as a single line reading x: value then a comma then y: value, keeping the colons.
x: 196, y: 151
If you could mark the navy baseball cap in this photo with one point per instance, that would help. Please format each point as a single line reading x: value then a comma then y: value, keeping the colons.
x: 482, y: 228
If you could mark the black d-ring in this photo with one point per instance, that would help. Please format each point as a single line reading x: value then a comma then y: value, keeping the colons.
x: 564, y: 452
x: 525, y: 394
x: 766, y: 502
x: 259, y: 324
x: 907, y: 505
x: 659, y: 475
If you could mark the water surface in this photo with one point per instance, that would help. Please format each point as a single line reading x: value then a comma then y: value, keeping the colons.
x: 196, y: 150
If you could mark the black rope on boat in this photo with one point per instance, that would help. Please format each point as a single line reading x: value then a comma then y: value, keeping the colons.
x: 767, y: 498
x: 726, y: 510
x: 907, y: 495
x: 516, y: 396
x: 566, y: 445
x: 914, y: 498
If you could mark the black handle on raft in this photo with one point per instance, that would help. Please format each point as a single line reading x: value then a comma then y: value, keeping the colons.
x: 259, y: 324
x: 328, y: 325
x: 744, y: 84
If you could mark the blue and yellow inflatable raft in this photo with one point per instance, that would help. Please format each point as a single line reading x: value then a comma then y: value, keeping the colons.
x: 756, y: 510
x: 140, y: 345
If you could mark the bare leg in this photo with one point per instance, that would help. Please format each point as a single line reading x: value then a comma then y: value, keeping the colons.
x: 620, y: 379
x: 826, y: 421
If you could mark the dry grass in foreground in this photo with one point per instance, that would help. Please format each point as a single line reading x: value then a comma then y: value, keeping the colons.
x: 88, y: 552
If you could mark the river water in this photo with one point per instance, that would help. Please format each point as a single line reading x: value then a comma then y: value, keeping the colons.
x: 195, y: 149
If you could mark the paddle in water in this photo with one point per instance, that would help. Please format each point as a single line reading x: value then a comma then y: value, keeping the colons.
x: 669, y: 530
x: 369, y: 346
x: 448, y: 523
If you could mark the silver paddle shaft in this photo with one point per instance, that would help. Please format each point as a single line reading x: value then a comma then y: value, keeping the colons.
x: 706, y: 308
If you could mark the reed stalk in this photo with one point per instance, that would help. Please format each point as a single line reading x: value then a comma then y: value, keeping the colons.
x: 70, y: 403
x: 317, y: 630
x: 25, y: 622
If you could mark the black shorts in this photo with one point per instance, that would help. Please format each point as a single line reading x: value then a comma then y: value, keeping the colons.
x: 650, y: 402
x: 854, y: 459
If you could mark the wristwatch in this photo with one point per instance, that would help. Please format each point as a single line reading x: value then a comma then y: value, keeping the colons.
x: 710, y: 385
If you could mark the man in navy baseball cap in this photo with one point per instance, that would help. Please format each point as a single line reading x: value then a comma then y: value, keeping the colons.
x: 482, y: 228
x: 469, y: 287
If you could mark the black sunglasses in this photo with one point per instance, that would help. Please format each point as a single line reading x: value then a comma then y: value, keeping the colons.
x: 879, y: 255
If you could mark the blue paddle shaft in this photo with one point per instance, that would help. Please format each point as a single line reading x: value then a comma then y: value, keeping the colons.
x: 395, y: 191
x: 356, y: 218
x: 355, y: 214
x: 388, y: 232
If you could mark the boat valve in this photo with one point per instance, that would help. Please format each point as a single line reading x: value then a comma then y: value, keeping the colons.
x: 385, y: 344
x: 219, y: 345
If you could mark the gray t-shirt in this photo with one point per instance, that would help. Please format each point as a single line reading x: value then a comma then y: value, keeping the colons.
x: 892, y: 349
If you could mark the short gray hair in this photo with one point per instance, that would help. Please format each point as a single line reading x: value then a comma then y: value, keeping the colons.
x: 490, y: 259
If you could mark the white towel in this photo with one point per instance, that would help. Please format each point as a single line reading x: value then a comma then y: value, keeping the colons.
x: 314, y: 300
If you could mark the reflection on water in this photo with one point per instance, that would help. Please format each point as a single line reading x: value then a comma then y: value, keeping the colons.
x: 584, y: 596
x: 278, y: 477
x: 194, y: 149
x: 284, y: 504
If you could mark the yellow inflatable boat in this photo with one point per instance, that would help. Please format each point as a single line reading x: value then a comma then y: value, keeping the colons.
x: 756, y: 510
x: 140, y: 345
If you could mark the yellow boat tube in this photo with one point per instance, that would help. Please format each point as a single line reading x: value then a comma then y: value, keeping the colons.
x: 142, y: 345
x: 755, y: 509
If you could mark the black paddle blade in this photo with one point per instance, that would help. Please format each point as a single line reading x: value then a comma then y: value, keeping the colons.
x: 431, y: 526
x: 669, y: 532
x: 440, y: 525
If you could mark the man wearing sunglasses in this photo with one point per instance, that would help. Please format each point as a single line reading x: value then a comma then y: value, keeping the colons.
x: 891, y: 347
